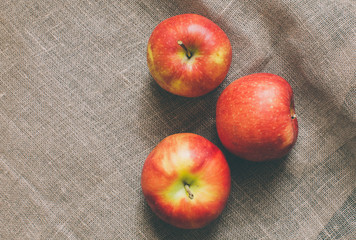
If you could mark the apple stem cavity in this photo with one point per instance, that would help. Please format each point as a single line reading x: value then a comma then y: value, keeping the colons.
x: 187, y: 52
x: 294, y: 116
x: 186, y: 187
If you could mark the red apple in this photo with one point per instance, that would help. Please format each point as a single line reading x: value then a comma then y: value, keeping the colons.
x: 188, y: 55
x: 186, y: 180
x: 255, y: 117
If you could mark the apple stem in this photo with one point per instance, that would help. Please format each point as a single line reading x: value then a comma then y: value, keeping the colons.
x: 187, y: 52
x: 186, y: 187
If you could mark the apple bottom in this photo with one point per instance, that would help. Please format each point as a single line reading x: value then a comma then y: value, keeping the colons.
x: 186, y: 214
x: 264, y: 140
x: 186, y: 181
x: 258, y: 152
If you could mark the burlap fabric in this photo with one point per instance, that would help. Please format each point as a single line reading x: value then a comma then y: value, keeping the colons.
x: 79, y: 113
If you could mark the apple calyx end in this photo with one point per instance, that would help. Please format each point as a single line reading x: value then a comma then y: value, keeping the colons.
x: 187, y: 52
x: 186, y: 187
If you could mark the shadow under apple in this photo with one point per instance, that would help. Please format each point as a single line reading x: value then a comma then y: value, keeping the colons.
x: 260, y: 190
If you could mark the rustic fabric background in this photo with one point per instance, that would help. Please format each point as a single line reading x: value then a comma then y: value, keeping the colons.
x: 79, y: 113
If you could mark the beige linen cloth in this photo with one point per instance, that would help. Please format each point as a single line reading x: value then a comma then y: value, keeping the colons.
x: 79, y: 113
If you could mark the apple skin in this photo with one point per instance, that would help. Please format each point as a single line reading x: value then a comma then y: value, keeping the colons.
x: 169, y: 64
x: 186, y: 158
x: 255, y: 117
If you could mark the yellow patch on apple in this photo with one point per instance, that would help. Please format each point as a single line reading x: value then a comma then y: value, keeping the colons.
x: 202, y: 190
x: 149, y: 51
x: 176, y: 84
x: 218, y: 56
x: 287, y: 137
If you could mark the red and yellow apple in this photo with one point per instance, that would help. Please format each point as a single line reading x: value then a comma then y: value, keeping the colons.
x: 188, y: 55
x: 255, y: 117
x: 186, y: 180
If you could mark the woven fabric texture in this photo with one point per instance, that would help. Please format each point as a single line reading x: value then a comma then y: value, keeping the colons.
x: 79, y: 113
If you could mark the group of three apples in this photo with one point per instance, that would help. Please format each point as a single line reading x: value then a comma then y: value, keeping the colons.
x: 186, y: 179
